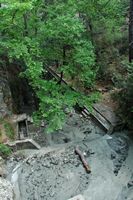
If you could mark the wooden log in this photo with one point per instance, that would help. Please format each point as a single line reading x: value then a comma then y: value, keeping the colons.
x: 82, y: 158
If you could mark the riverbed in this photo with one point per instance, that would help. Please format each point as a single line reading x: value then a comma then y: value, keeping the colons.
x: 55, y: 172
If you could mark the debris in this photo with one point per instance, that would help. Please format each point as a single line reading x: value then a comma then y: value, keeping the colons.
x: 85, y: 164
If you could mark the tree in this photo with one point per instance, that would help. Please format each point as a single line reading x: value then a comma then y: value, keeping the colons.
x: 69, y: 36
x: 38, y: 34
x: 125, y: 96
x: 131, y: 32
x: 104, y: 21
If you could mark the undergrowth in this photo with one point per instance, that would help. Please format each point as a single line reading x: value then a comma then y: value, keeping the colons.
x: 9, y: 130
x: 5, y: 151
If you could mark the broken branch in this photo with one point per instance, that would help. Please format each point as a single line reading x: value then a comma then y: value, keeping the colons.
x: 84, y: 162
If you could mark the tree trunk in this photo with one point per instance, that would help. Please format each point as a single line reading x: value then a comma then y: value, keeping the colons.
x: 131, y: 32
x: 64, y: 63
x: 25, y: 25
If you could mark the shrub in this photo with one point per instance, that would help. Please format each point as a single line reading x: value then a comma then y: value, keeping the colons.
x: 9, y: 130
x: 5, y: 151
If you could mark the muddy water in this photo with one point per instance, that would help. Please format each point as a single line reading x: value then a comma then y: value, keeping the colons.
x: 58, y: 174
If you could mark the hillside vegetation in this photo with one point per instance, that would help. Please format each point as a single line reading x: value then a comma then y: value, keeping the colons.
x: 83, y: 41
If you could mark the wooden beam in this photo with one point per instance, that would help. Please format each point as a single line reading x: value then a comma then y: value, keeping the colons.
x: 84, y: 162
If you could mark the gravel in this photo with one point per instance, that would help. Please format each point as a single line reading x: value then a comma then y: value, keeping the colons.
x: 6, y: 190
x: 59, y: 173
x: 47, y: 176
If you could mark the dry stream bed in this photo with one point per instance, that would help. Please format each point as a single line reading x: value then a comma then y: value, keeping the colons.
x: 55, y: 172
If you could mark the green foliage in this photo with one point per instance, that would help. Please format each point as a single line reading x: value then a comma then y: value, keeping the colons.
x: 5, y: 151
x: 36, y: 34
x: 56, y: 99
x: 9, y: 130
x: 61, y: 34
x: 107, y: 24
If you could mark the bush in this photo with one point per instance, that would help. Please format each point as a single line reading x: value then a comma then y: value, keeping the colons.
x: 9, y: 130
x: 5, y: 151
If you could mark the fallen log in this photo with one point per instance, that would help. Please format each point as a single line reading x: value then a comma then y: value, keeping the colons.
x: 82, y: 158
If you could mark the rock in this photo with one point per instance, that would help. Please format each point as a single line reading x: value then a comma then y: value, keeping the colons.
x: 5, y: 94
x: 2, y: 171
x: 19, y: 118
x: 2, y: 167
x: 79, y: 197
x: 130, y: 184
x: 1, y: 160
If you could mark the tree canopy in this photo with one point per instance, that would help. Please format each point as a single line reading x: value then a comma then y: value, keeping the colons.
x: 63, y: 35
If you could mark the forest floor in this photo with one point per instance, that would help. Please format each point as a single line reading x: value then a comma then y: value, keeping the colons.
x: 56, y: 173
